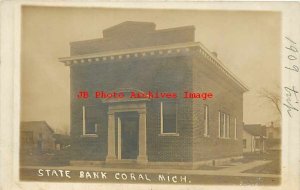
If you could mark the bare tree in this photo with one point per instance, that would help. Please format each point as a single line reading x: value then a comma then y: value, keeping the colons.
x: 272, y: 97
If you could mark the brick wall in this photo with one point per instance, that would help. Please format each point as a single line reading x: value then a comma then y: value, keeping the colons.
x: 227, y: 98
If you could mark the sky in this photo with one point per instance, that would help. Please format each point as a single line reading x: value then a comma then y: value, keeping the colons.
x: 247, y: 42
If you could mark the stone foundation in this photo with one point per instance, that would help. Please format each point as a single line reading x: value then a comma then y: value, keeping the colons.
x: 173, y: 165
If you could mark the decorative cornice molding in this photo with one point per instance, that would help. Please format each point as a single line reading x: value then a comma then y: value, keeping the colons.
x: 174, y: 49
x: 163, y: 50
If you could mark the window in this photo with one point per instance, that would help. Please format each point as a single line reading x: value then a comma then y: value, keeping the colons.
x: 227, y: 126
x: 168, y: 117
x: 224, y: 125
x: 89, y: 119
x: 220, y: 125
x: 206, y: 120
x: 244, y: 143
x: 235, y: 129
x: 222, y: 120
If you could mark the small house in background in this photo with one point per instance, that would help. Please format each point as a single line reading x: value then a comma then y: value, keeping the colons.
x: 274, y: 136
x: 254, y: 138
x: 36, y: 137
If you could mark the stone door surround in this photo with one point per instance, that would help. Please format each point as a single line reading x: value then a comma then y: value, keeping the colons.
x: 117, y: 107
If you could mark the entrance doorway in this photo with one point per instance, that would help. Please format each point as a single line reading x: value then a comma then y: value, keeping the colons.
x: 128, y: 135
x: 129, y: 117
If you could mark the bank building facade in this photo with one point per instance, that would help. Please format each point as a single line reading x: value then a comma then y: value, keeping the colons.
x: 136, y: 57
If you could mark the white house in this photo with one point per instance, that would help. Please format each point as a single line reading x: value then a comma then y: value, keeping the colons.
x: 254, y: 137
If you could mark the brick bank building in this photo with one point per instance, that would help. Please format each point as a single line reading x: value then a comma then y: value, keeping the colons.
x: 134, y: 56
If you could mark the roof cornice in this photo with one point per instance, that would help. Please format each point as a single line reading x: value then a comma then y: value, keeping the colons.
x: 180, y: 48
x: 145, y: 52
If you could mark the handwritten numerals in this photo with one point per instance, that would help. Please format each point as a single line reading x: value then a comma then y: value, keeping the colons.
x: 291, y: 102
x: 292, y: 55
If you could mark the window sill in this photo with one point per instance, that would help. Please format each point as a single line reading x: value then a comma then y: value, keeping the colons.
x: 89, y: 136
x: 169, y: 134
x: 226, y: 138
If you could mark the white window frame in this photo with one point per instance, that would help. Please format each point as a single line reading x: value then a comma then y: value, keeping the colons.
x: 206, y: 120
x: 219, y: 124
x: 225, y: 125
x: 84, y: 134
x: 235, y: 129
x: 162, y: 122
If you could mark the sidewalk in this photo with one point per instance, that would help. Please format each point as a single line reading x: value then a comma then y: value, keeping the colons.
x: 243, y: 167
x: 235, y: 170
